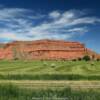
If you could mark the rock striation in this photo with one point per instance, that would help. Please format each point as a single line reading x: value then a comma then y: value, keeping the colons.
x: 45, y: 50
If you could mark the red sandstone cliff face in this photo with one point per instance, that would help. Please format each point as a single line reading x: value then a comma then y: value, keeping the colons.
x: 1, y: 53
x: 44, y: 49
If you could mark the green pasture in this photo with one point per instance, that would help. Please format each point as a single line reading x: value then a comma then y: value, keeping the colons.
x: 49, y: 80
x: 12, y: 92
x: 50, y: 70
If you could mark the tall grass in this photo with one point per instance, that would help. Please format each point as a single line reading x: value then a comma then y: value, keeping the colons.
x: 11, y: 92
x: 49, y: 77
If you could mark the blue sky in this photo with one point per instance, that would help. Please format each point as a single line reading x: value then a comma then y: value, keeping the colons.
x: 71, y: 20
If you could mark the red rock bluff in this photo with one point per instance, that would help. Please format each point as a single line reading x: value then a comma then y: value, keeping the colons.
x: 45, y: 49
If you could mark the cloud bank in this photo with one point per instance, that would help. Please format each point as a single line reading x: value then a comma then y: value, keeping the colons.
x: 17, y: 24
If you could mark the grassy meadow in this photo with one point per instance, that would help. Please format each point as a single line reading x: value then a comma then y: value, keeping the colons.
x: 49, y: 80
x: 11, y: 92
x: 50, y: 70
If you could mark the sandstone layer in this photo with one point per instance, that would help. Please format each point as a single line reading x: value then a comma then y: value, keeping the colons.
x: 45, y: 49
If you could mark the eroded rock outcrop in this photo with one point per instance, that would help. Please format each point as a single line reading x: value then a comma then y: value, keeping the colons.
x: 45, y: 49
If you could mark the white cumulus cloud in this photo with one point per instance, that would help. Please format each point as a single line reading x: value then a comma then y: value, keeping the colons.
x: 25, y: 24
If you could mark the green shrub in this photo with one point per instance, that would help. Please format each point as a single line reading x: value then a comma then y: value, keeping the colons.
x: 74, y: 60
x: 79, y: 59
x: 98, y: 59
x: 16, y: 58
x: 86, y: 58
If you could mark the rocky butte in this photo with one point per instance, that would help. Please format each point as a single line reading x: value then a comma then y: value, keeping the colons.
x: 45, y: 50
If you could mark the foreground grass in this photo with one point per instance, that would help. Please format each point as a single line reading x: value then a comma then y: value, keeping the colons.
x: 11, y: 92
x: 50, y: 70
x: 41, y: 84
x: 18, y: 80
x: 49, y: 77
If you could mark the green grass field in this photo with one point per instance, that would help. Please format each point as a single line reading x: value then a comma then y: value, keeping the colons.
x: 48, y: 80
x: 50, y: 70
x: 12, y: 92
